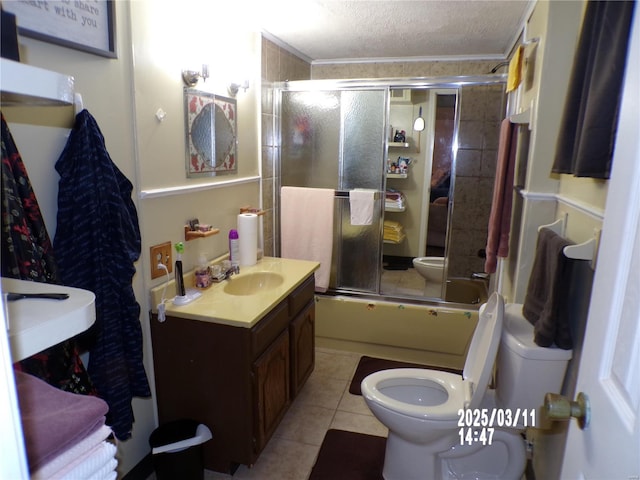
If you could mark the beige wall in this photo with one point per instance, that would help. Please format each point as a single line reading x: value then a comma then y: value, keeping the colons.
x: 123, y: 94
x: 549, y: 196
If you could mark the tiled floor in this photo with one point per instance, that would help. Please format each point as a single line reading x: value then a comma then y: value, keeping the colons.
x: 323, y: 403
x: 408, y: 282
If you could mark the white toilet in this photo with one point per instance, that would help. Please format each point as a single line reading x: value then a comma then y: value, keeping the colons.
x: 422, y: 408
x: 431, y: 268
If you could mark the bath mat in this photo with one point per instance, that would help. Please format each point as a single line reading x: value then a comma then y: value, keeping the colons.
x: 369, y: 365
x: 349, y: 456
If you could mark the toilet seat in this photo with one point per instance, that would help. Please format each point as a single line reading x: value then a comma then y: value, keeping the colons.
x: 455, y: 390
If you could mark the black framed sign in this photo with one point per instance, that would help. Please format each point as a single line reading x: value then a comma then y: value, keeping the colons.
x: 87, y: 25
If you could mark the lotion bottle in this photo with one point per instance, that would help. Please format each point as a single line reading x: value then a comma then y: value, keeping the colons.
x: 234, y: 248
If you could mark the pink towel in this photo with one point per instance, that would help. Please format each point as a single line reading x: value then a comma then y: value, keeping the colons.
x: 500, y: 217
x: 54, y: 420
x: 306, y: 228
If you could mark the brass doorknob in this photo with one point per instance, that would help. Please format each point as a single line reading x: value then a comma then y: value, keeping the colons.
x: 559, y: 407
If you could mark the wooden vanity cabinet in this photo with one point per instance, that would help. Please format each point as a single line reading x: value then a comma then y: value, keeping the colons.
x: 237, y: 381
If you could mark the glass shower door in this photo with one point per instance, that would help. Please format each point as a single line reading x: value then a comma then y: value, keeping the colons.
x: 335, y: 139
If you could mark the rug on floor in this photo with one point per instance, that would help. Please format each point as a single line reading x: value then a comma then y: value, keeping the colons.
x: 369, y: 365
x: 349, y: 456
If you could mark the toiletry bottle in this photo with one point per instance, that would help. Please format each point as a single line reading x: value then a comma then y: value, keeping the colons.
x: 202, y: 273
x: 234, y: 248
x: 180, y: 290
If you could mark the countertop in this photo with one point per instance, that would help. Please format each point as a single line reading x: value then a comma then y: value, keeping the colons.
x: 36, y: 324
x: 217, y: 306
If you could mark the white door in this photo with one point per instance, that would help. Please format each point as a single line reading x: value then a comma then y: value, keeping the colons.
x: 609, y: 448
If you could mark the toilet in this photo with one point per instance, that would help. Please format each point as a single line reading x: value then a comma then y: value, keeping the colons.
x: 423, y: 408
x: 431, y: 268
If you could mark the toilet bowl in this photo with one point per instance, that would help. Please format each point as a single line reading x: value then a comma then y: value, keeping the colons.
x: 431, y: 268
x: 422, y: 408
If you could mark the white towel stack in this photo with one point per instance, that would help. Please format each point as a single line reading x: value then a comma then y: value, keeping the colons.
x: 91, y: 458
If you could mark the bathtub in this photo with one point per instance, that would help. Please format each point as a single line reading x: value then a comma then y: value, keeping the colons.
x: 464, y: 290
x: 433, y: 335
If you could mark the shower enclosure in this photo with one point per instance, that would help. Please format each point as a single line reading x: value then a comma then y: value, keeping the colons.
x: 341, y: 135
x: 335, y: 139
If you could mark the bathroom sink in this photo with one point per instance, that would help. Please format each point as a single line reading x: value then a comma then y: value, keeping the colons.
x: 253, y: 283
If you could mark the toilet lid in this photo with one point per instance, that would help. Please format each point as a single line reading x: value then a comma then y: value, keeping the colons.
x: 484, y: 347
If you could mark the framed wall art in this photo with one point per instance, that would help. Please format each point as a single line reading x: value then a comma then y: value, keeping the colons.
x: 83, y: 25
x: 211, y: 138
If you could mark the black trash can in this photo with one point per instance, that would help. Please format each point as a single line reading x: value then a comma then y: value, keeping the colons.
x: 177, y: 450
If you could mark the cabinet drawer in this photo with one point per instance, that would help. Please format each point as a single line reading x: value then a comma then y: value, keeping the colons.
x: 301, y: 296
x: 268, y: 329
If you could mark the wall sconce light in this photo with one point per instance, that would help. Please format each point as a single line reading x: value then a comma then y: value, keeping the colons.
x: 190, y: 77
x: 235, y: 87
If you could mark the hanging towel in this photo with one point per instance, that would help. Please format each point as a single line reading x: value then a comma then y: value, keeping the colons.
x: 361, y: 202
x: 546, y: 300
x: 306, y: 228
x: 515, y: 70
x: 500, y: 216
x: 590, y: 120
x: 97, y: 243
x: 53, y: 420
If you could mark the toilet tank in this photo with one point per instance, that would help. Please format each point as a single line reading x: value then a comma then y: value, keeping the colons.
x: 526, y: 371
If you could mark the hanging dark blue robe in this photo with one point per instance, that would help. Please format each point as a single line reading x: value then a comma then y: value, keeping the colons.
x: 97, y: 242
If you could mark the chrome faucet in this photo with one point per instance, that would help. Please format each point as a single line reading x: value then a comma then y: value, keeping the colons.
x: 234, y: 269
x: 480, y: 276
x: 219, y: 273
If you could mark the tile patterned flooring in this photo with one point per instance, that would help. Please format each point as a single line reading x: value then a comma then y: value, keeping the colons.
x: 323, y: 403
x: 408, y: 282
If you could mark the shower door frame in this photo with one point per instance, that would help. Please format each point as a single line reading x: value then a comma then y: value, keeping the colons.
x: 427, y: 83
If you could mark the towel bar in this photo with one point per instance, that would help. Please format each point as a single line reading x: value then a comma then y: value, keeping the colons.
x: 585, y: 251
x: 558, y: 227
x: 345, y: 194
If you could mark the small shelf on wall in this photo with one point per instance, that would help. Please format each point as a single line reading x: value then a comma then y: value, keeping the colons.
x: 34, y: 325
x: 193, y: 234
x: 399, y: 144
x: 25, y: 84
x: 522, y: 117
x: 257, y: 211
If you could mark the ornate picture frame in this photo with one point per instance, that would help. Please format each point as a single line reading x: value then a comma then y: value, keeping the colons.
x: 211, y: 138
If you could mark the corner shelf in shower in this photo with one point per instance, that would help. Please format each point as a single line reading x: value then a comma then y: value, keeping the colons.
x: 397, y: 175
x: 394, y: 209
x: 399, y: 144
x: 393, y: 242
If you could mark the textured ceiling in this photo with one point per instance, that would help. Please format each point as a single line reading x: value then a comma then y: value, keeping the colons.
x: 338, y: 30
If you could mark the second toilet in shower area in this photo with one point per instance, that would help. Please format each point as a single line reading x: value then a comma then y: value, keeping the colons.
x: 430, y: 268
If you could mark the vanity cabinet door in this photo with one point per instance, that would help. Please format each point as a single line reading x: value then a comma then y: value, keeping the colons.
x: 302, y: 338
x: 271, y: 388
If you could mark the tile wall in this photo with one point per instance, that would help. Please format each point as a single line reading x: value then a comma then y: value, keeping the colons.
x: 277, y: 65
x: 481, y: 112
